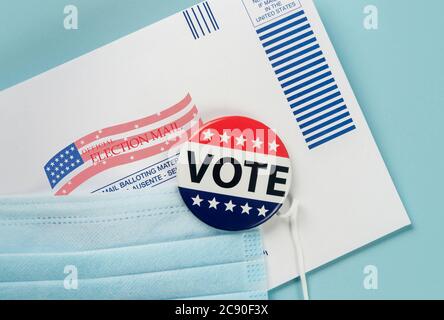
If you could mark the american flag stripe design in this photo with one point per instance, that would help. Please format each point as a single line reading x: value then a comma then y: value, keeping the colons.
x: 130, y: 142
x: 306, y: 79
x: 201, y: 20
x: 127, y: 127
x: 176, y: 123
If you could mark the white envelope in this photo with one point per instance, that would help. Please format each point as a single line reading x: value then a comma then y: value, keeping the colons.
x: 270, y: 60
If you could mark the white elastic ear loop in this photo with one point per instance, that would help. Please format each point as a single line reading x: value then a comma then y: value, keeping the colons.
x: 292, y: 216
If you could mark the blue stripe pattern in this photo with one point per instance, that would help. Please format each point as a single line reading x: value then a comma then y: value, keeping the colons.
x: 201, y: 20
x: 306, y: 79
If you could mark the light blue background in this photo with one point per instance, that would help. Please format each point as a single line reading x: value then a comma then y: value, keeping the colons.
x: 397, y: 73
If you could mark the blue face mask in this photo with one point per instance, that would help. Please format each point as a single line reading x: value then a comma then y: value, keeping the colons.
x: 127, y: 246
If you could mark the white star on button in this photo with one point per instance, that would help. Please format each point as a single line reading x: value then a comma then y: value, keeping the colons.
x: 240, y: 141
x: 229, y: 206
x: 257, y: 143
x: 208, y: 135
x: 225, y: 138
x: 273, y: 146
x: 262, y: 211
x: 246, y: 208
x: 196, y: 201
x: 213, y: 203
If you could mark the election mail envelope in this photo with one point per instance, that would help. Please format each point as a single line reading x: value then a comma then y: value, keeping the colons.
x: 104, y: 122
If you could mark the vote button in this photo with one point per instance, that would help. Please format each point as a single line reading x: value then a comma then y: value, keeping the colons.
x: 234, y: 173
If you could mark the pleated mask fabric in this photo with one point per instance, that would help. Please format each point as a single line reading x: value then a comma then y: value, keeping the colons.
x: 141, y: 245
